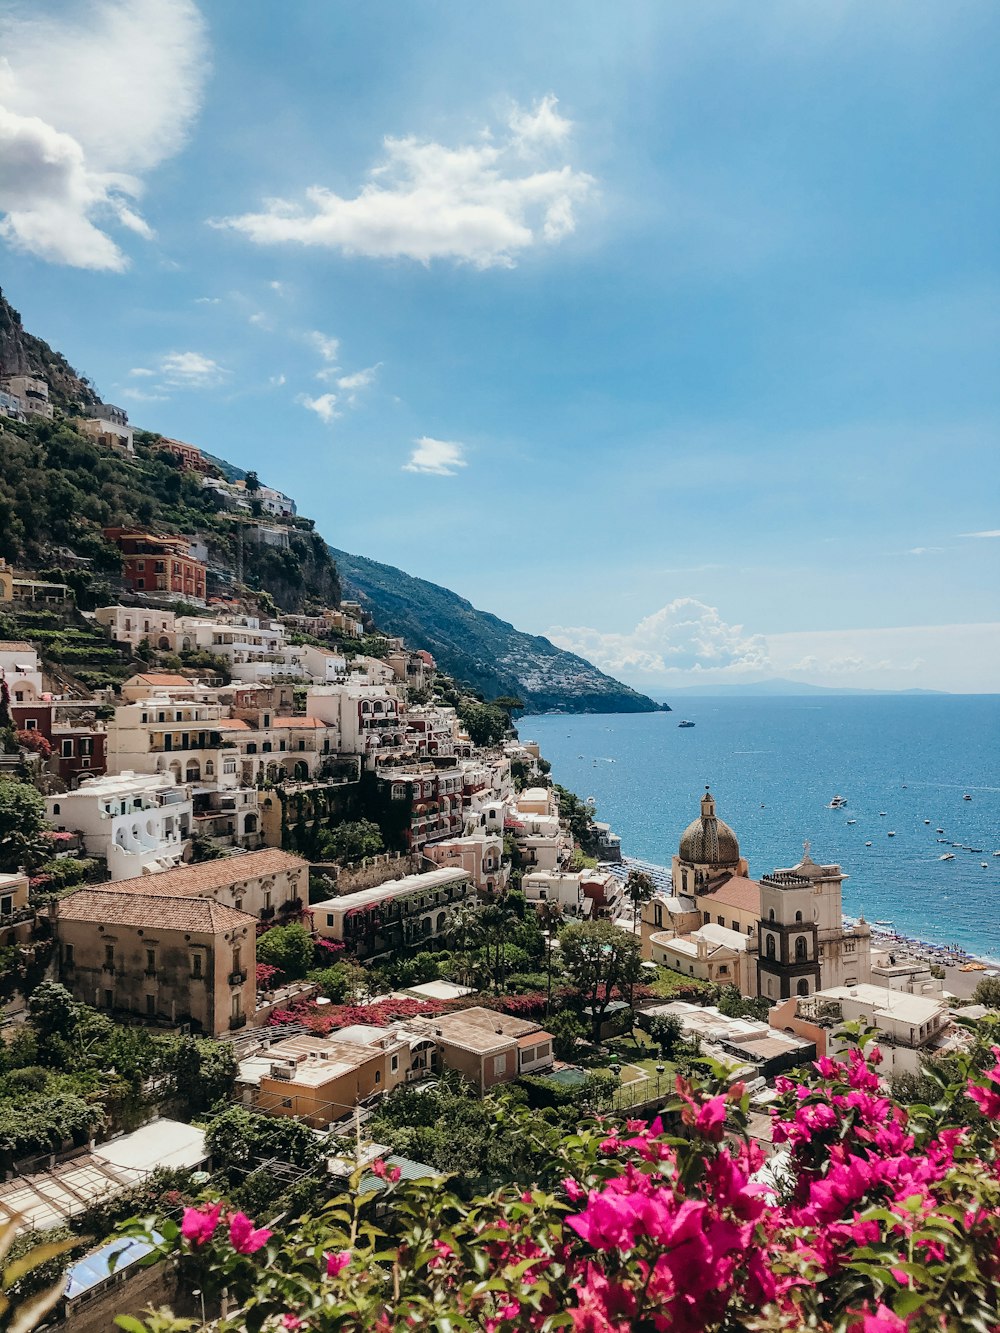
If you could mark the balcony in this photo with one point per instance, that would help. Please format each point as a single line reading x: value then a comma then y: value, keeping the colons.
x: 266, y: 913
x: 237, y: 979
x: 237, y: 1021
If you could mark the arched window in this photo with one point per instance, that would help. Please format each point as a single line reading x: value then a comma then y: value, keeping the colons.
x: 770, y: 946
x: 770, y: 915
x: 798, y: 916
x: 803, y: 987
x: 800, y: 948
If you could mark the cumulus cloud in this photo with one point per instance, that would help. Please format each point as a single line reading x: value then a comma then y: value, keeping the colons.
x: 90, y: 102
x: 441, y: 458
x: 684, y: 635
x: 479, y: 203
x: 178, y: 370
x: 325, y: 406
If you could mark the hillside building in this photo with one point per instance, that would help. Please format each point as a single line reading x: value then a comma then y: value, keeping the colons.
x: 153, y: 564
x: 138, y: 824
x: 32, y: 392
x: 396, y: 915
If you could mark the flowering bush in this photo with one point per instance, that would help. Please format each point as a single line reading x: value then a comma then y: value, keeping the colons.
x: 328, y: 1018
x: 35, y: 742
x: 882, y: 1219
x: 266, y: 972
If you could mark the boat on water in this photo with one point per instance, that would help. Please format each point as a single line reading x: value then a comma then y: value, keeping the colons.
x: 890, y: 835
x: 948, y: 856
x: 837, y: 803
x: 939, y: 830
x: 883, y: 923
x: 867, y: 844
x: 975, y: 849
x: 881, y: 814
x: 686, y: 723
x: 852, y: 821
x: 997, y: 853
x: 927, y: 821
x: 985, y: 865
x: 966, y: 797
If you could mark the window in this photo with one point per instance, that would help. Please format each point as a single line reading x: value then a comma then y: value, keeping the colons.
x: 109, y: 999
x: 67, y: 749
x: 800, y: 948
x: 770, y: 915
x: 499, y: 1065
x: 109, y: 955
x: 55, y: 808
x: 237, y: 1005
x: 196, y: 966
x: 151, y: 1006
x: 150, y: 960
x: 31, y: 724
x: 140, y: 583
x: 238, y: 904
x: 721, y: 920
x: 798, y: 916
x: 770, y: 946
x: 286, y: 1103
x: 394, y: 1063
x: 378, y: 1076
x: 6, y: 905
x: 67, y: 953
x: 237, y: 955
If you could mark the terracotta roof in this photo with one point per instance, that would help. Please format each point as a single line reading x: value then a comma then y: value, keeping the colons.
x: 738, y: 892
x: 110, y: 905
x: 309, y: 722
x: 164, y: 678
x: 16, y: 646
x: 195, y: 880
x: 231, y: 724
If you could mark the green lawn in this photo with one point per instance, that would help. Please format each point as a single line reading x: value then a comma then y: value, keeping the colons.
x: 667, y: 982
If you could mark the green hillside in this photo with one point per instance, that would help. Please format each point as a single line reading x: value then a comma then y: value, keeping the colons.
x: 481, y: 650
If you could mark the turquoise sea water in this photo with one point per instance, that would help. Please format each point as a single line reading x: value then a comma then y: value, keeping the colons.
x: 773, y: 766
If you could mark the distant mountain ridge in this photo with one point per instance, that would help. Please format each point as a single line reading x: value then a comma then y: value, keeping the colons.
x: 480, y: 649
x: 777, y: 688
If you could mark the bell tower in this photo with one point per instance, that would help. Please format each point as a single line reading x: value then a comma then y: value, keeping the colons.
x: 788, y: 949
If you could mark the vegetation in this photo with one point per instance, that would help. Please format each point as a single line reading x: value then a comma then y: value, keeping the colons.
x: 288, y: 948
x: 600, y: 959
x: 886, y: 1220
x: 22, y: 825
x: 487, y: 724
x: 351, y: 841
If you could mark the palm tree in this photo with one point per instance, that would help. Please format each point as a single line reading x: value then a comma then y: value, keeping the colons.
x: 466, y: 935
x: 550, y: 918
x: 639, y: 888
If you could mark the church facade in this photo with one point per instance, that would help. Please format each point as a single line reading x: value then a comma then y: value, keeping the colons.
x: 792, y: 919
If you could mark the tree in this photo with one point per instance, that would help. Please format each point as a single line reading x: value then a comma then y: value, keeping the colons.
x: 550, y: 918
x: 599, y: 958
x: 486, y: 723
x: 53, y: 1011
x: 668, y: 1032
x: 22, y: 822
x: 639, y: 888
x: 987, y: 993
x: 288, y: 948
x: 341, y: 983
x: 252, y: 483
x: 351, y: 841
x: 566, y: 1030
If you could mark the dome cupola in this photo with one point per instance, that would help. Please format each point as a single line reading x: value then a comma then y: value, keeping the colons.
x: 708, y: 841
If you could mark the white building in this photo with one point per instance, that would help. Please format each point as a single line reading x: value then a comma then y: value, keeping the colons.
x: 562, y: 887
x: 19, y: 667
x: 108, y: 425
x: 710, y: 953
x: 183, y: 737
x: 322, y: 665
x: 131, y: 624
x: 365, y: 718
x: 138, y: 823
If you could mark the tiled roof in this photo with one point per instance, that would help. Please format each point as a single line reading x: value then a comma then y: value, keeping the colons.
x: 308, y: 722
x: 231, y: 724
x: 738, y: 892
x: 111, y: 906
x: 194, y: 880
x: 16, y: 646
x: 162, y: 678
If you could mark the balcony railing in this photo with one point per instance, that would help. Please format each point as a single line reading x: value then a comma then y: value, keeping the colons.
x: 237, y: 979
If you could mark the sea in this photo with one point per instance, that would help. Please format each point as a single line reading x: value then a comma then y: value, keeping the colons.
x: 904, y: 763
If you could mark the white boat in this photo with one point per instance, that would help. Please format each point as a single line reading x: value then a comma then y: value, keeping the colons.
x: 927, y: 821
x: 852, y: 821
x: 966, y: 797
x: 985, y: 864
x: 948, y: 856
x: 881, y: 814
x: 867, y: 844
x: 837, y: 803
x: 890, y: 835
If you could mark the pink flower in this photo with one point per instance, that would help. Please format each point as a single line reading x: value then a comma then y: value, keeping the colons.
x: 882, y: 1321
x: 198, y: 1224
x: 389, y: 1173
x: 711, y: 1118
x: 335, y: 1263
x: 290, y: 1321
x: 244, y: 1237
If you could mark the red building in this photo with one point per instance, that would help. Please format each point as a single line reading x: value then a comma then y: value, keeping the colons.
x: 77, y: 751
x: 191, y: 458
x: 158, y: 564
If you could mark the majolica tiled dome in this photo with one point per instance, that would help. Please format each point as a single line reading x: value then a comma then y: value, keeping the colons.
x: 708, y: 841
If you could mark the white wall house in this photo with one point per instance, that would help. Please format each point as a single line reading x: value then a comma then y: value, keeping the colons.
x: 19, y: 667
x: 322, y: 665
x: 139, y: 823
x: 564, y: 888
x: 132, y: 624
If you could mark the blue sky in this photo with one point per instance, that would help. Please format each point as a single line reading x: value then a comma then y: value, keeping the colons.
x: 670, y: 330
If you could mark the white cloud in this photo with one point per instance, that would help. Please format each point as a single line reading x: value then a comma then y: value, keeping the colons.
x: 277, y: 381
x: 991, y: 532
x: 925, y: 550
x: 328, y: 348
x: 141, y: 371
x: 325, y: 406
x: 684, y: 635
x: 190, y: 370
x: 140, y: 396
x: 354, y: 384
x: 479, y: 203
x: 438, y: 457
x: 207, y: 300
x: 89, y: 103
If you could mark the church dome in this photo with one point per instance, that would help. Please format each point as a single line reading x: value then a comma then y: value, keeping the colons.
x: 707, y: 840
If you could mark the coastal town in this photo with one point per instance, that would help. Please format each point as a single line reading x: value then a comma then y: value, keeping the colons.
x: 314, y: 876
